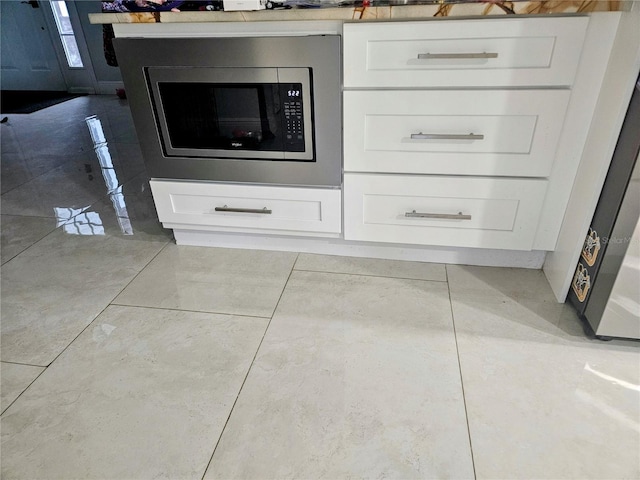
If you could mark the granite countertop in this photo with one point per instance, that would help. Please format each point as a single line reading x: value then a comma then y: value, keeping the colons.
x: 368, y: 10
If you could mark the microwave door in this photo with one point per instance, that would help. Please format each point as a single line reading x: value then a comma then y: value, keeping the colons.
x: 210, y: 112
x: 264, y: 114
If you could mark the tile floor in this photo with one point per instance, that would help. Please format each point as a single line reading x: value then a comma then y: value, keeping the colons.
x: 125, y: 356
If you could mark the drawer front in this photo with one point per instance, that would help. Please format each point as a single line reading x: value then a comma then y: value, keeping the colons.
x: 193, y: 205
x: 451, y: 211
x: 512, y: 132
x: 446, y: 53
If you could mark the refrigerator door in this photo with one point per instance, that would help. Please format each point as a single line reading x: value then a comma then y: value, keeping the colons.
x: 605, y: 290
x: 594, y: 276
x: 621, y: 316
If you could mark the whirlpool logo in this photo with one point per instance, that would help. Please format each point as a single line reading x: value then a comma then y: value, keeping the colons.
x: 236, y: 144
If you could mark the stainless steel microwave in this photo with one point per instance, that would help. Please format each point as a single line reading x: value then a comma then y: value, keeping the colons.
x: 260, y: 113
x: 251, y: 110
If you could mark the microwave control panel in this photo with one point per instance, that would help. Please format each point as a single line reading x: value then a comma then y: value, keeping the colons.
x: 291, y: 97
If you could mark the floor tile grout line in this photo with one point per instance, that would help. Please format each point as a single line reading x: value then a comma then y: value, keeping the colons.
x: 292, y: 269
x: 368, y: 275
x: 284, y: 287
x: 36, y: 177
x: 173, y: 309
x: 21, y: 152
x: 74, y: 338
x: 464, y: 398
x: 61, y: 225
x: 22, y: 363
x: 58, y: 226
x: 56, y: 168
x: 26, y: 216
x: 44, y: 369
x: 33, y: 244
x: 168, y: 242
x: 102, y: 311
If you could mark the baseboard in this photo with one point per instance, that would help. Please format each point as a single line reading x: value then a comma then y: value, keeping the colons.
x: 337, y: 246
x: 82, y: 90
x: 108, y: 88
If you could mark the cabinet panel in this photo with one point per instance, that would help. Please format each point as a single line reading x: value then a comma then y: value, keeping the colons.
x: 508, y: 132
x: 248, y: 207
x: 452, y: 211
x: 483, y: 52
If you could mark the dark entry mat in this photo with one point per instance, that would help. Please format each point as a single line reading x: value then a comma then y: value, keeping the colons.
x: 28, y: 101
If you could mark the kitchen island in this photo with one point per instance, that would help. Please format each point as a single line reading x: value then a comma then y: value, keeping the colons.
x: 551, y: 110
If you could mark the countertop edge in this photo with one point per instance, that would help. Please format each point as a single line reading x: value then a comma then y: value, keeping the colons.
x: 397, y: 12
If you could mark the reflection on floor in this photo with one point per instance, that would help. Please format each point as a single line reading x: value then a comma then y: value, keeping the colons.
x: 126, y: 356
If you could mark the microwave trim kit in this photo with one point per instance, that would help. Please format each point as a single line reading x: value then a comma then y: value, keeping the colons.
x: 285, y: 133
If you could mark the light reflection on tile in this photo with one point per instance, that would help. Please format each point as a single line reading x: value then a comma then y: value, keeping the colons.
x: 52, y: 290
x: 126, y: 211
x: 38, y: 167
x: 110, y: 178
x: 102, y: 152
x: 122, y: 215
x: 220, y: 280
x: 554, y: 404
x: 83, y: 223
x: 68, y: 186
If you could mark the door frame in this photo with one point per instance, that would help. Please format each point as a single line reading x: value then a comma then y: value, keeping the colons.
x: 78, y: 79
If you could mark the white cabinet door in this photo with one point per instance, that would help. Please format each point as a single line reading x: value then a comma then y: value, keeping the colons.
x: 451, y: 211
x: 497, y: 132
x: 458, y: 53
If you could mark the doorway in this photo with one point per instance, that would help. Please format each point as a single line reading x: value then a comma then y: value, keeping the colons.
x: 35, y: 50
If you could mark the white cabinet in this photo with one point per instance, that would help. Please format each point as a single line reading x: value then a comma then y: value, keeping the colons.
x: 451, y: 128
x: 248, y: 208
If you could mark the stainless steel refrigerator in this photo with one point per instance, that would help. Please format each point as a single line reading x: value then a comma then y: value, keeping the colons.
x: 606, y: 285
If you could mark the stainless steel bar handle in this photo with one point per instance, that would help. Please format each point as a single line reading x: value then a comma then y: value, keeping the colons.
x: 264, y: 210
x: 456, y: 56
x: 446, y: 136
x: 445, y: 216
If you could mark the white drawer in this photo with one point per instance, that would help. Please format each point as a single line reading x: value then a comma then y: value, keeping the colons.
x: 193, y: 205
x: 515, y: 132
x: 448, y: 53
x: 478, y: 212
